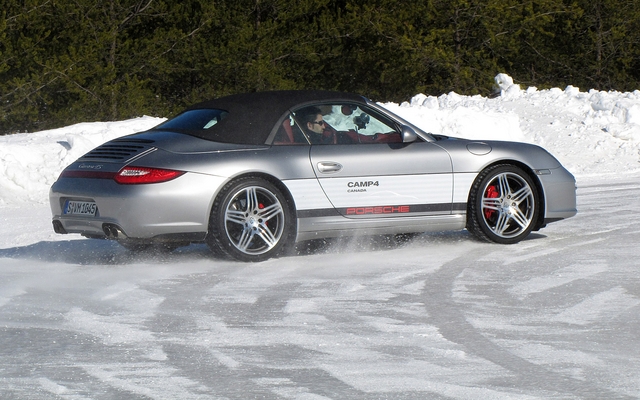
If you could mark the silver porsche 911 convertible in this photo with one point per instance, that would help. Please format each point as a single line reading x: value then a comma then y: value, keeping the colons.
x: 252, y: 174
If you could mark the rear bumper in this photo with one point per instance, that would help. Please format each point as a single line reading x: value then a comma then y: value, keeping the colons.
x: 178, y: 207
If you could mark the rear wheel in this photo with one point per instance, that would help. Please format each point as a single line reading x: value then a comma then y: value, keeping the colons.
x: 251, y: 220
x: 503, y: 205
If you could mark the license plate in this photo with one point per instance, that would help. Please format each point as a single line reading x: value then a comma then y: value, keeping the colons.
x: 80, y: 208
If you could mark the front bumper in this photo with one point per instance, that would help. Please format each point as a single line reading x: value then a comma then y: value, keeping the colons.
x: 559, y: 187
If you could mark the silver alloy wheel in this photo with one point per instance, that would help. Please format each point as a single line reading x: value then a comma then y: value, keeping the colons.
x: 508, y: 205
x: 254, y: 220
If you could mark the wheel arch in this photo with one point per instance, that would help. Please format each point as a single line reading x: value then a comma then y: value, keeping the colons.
x: 267, y: 177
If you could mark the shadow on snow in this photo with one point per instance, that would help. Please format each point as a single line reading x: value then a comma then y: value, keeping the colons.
x: 107, y: 252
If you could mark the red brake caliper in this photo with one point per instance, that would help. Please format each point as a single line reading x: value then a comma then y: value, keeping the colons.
x: 261, y: 206
x: 492, y: 193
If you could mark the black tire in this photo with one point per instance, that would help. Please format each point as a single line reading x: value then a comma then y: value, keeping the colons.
x: 251, y: 220
x: 503, y: 205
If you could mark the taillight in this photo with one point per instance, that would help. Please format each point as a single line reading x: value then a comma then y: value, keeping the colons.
x: 143, y: 175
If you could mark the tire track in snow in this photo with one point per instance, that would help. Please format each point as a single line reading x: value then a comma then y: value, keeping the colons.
x: 449, y: 316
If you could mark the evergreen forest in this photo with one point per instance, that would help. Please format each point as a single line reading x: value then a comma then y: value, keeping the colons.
x: 68, y: 61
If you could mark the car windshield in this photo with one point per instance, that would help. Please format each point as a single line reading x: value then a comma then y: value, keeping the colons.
x: 195, y: 120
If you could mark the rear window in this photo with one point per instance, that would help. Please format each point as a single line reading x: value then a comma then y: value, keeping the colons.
x: 195, y: 120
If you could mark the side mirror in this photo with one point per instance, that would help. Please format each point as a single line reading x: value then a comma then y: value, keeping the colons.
x: 408, y: 134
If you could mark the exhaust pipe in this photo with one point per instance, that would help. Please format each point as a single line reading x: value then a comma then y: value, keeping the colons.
x: 58, y: 228
x: 113, y: 231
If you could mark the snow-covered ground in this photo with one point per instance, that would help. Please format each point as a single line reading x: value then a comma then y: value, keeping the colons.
x: 440, y: 317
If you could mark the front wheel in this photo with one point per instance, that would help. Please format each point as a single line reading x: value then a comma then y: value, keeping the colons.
x: 503, y: 205
x: 251, y: 220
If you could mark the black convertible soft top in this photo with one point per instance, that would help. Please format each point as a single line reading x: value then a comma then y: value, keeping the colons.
x: 252, y: 116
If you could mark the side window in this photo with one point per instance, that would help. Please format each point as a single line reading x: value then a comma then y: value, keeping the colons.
x: 289, y: 133
x: 311, y: 121
x: 345, y: 123
x: 195, y: 120
x: 364, y: 124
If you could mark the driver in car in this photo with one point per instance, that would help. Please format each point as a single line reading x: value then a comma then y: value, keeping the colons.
x: 312, y: 119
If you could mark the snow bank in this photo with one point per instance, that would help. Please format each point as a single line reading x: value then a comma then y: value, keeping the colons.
x: 594, y: 133
x: 31, y: 162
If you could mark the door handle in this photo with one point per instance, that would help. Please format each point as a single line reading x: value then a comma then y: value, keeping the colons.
x: 329, y: 167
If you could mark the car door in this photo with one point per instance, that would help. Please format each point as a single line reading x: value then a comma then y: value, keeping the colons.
x: 367, y: 172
